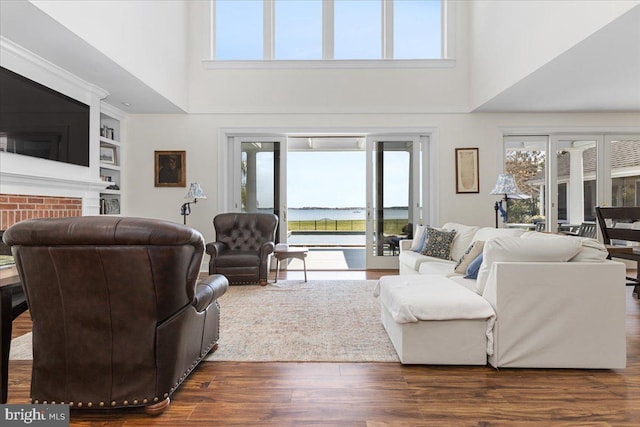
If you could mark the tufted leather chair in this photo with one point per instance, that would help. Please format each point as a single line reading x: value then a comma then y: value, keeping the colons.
x: 242, y: 247
x: 119, y: 318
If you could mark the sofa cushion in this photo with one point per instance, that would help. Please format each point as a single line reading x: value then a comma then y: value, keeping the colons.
x: 418, y: 238
x: 510, y: 248
x: 438, y: 267
x: 592, y: 250
x: 486, y: 233
x: 472, y: 253
x: 438, y: 243
x: 464, y: 236
x: 413, y: 260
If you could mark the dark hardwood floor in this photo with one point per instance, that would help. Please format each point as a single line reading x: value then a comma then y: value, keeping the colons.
x: 382, y: 394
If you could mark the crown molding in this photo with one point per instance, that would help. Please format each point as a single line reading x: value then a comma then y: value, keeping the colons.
x: 12, y: 49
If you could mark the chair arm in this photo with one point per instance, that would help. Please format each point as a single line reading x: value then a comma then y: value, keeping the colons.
x: 266, y: 249
x: 214, y: 248
x: 558, y: 314
x: 208, y: 290
x: 405, y: 244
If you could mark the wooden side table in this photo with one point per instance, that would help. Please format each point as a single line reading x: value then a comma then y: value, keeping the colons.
x: 12, y: 304
x: 300, y: 253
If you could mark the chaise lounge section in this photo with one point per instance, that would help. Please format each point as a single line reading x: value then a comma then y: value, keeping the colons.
x: 539, y: 301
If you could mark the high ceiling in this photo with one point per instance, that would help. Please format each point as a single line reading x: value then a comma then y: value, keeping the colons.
x: 602, y: 73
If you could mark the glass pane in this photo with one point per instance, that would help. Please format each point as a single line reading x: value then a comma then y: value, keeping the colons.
x: 525, y: 159
x: 417, y: 29
x: 625, y: 172
x: 298, y: 29
x: 576, y: 183
x: 391, y: 196
x: 357, y: 29
x: 239, y: 29
x: 259, y: 181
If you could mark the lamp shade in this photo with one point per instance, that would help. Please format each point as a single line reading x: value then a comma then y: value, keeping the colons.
x: 195, y: 192
x: 506, y: 184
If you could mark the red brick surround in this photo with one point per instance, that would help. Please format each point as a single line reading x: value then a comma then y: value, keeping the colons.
x: 18, y: 207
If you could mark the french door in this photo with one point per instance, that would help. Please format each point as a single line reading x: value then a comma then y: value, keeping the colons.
x: 567, y: 175
x: 259, y: 176
x: 393, y: 196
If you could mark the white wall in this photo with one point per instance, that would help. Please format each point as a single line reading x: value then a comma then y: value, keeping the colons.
x: 511, y: 39
x: 147, y: 38
x: 197, y: 134
x: 325, y: 90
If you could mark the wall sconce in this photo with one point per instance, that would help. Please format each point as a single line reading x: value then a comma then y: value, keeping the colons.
x: 195, y: 192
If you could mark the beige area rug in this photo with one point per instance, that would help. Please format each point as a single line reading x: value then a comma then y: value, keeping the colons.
x: 293, y: 321
x: 318, y: 321
x: 21, y: 348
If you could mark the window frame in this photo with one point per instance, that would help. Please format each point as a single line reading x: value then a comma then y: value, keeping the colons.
x: 447, y: 59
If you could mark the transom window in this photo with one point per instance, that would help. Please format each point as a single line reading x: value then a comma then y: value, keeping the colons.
x: 301, y: 30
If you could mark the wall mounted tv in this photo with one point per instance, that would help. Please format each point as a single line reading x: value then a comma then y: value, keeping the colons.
x: 40, y: 122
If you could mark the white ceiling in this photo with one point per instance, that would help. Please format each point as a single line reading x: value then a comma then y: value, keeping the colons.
x: 602, y: 73
x: 29, y: 27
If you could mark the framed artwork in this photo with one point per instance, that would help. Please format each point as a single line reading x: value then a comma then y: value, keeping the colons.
x: 111, y: 206
x: 467, y: 170
x: 108, y: 155
x: 170, y: 169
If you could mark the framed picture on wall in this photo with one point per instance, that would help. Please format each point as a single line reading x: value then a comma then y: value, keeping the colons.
x: 108, y: 155
x: 170, y: 169
x: 467, y: 170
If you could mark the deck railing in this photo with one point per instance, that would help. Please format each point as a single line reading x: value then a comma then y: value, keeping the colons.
x: 391, y: 226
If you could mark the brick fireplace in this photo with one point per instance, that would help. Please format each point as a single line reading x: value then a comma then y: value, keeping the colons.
x: 18, y: 207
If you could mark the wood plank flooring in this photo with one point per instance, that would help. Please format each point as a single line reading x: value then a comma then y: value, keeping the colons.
x: 382, y: 394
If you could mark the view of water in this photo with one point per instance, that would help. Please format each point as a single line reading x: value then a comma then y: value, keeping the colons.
x: 340, y: 214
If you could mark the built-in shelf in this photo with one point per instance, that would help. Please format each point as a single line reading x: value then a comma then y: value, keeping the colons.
x: 111, y: 159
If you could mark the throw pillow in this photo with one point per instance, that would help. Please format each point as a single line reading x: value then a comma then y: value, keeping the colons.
x: 418, y: 238
x: 474, y: 267
x: 472, y: 253
x: 438, y: 243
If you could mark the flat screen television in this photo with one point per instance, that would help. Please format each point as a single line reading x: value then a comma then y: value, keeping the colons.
x: 40, y: 122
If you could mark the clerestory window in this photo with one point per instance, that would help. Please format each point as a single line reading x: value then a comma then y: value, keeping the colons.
x: 313, y: 30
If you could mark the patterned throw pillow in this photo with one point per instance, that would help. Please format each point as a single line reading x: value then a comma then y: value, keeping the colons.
x: 438, y: 243
x: 472, y: 253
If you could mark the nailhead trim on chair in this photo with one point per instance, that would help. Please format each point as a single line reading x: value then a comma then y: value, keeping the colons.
x: 184, y: 375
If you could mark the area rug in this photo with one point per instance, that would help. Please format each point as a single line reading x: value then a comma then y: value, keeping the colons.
x: 318, y: 321
x: 293, y: 321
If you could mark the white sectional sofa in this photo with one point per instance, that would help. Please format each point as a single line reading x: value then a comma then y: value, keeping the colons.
x: 539, y: 301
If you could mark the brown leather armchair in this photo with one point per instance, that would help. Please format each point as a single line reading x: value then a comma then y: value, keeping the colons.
x: 242, y: 247
x: 119, y: 316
